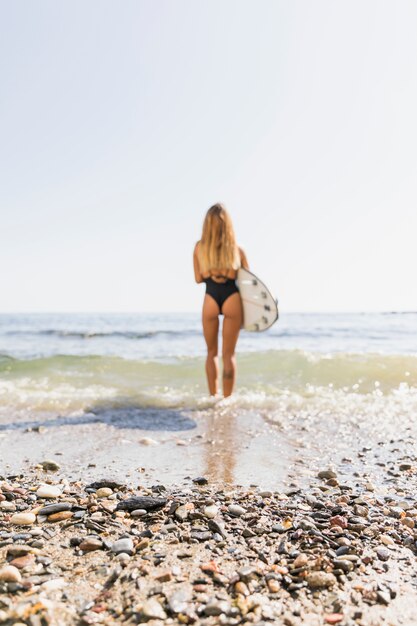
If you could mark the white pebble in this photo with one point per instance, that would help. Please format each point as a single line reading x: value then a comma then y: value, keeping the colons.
x: 123, y: 557
x: 211, y: 511
x: 48, y: 491
x: 236, y: 510
x: 387, y: 540
x: 55, y: 583
x: 138, y: 513
x: 23, y: 519
x: 147, y: 441
x: 10, y: 574
x: 7, y: 506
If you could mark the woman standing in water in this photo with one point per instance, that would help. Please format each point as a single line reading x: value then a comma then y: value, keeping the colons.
x: 217, y: 258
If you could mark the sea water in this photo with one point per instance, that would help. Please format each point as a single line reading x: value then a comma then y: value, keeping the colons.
x: 71, y: 361
x: 323, y: 386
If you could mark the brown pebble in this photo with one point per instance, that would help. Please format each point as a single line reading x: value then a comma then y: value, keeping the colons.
x: 164, y: 577
x: 23, y: 561
x: 300, y: 561
x: 88, y: 545
x: 338, y: 520
x: 60, y: 516
x: 242, y: 588
x: 333, y: 618
x: 320, y: 580
x: 407, y: 521
x: 273, y: 585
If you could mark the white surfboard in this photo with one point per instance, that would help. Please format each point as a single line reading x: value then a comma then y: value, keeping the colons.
x: 260, y: 308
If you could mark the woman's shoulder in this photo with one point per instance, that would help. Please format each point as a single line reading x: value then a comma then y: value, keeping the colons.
x: 197, y: 245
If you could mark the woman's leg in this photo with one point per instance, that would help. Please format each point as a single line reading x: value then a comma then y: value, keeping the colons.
x: 233, y: 318
x: 211, y: 335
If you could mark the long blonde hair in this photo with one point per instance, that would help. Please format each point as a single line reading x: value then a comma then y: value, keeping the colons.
x: 218, y: 248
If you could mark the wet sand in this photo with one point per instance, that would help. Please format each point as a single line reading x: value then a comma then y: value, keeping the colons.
x: 157, y: 445
x: 227, y: 446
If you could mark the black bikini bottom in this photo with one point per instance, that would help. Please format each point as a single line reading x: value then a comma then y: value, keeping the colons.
x: 220, y: 291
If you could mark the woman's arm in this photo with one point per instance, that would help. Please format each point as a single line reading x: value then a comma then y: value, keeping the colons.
x: 197, y: 273
x: 243, y: 259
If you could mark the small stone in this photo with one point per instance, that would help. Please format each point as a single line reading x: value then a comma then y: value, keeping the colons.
x: 343, y: 541
x: 23, y: 519
x: 10, y: 574
x: 57, y: 507
x: 23, y: 561
x: 60, y: 516
x: 320, y: 580
x: 91, y: 543
x: 273, y: 585
x: 338, y: 520
x: 153, y: 610
x: 178, y: 601
x: 104, y: 492
x: 112, y: 483
x: 123, y: 545
x: 405, y: 466
x: 18, y: 550
x: 50, y: 466
x: 247, y: 572
x: 139, y: 513
x: 53, y: 584
x: 300, y: 561
x: 141, y: 502
x: 148, y: 441
x: 183, y: 511
x: 360, y: 510
x: 242, y: 588
x: 215, y: 608
x: 210, y: 511
x: 200, y: 480
x: 210, y: 566
x: 327, y: 474
x: 143, y: 543
x: 7, y: 506
x: 164, y: 577
x: 123, y: 557
x: 407, y: 521
x: 382, y: 554
x: 333, y: 618
x: 386, y: 540
x: 48, y: 491
x: 383, y: 597
x: 236, y: 510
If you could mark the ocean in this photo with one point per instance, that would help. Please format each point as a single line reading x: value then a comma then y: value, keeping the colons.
x: 64, y: 362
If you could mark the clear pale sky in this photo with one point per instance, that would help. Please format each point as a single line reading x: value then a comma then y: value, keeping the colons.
x: 122, y: 122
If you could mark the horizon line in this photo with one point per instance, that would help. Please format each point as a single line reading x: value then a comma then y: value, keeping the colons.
x: 292, y: 312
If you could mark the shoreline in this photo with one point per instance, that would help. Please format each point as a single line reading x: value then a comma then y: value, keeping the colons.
x: 153, y: 445
x: 203, y: 553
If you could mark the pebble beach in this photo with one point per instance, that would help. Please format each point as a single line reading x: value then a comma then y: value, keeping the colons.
x: 110, y: 552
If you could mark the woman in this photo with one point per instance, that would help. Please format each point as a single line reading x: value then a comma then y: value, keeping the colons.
x: 217, y: 258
